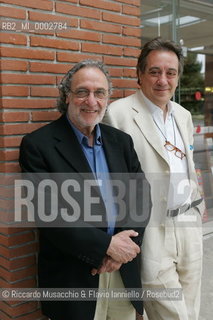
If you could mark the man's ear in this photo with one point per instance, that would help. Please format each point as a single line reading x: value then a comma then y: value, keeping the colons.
x: 139, y: 77
x: 68, y: 99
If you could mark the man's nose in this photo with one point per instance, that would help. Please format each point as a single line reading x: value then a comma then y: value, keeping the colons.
x: 91, y: 99
x: 162, y: 78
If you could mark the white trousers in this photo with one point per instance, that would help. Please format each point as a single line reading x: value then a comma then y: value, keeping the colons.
x: 181, y: 268
x: 113, y: 309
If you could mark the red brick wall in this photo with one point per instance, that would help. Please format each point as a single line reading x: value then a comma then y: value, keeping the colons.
x: 32, y: 64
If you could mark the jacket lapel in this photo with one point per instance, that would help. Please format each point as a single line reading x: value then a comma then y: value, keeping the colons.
x: 66, y: 143
x: 112, y: 150
x: 182, y: 126
x: 144, y: 121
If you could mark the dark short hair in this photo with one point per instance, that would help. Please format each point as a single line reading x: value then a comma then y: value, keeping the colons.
x: 65, y: 85
x: 159, y: 44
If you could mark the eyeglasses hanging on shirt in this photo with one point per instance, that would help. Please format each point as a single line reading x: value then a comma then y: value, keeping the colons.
x: 168, y: 145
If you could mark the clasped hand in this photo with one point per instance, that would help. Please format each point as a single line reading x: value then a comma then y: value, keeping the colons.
x: 122, y: 249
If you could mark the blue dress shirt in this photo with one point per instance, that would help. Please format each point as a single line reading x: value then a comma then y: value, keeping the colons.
x: 97, y: 161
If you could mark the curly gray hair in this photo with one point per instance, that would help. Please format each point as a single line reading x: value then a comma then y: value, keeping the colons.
x: 65, y: 85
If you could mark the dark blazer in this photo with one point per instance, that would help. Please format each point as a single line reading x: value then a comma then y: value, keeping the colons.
x: 67, y: 255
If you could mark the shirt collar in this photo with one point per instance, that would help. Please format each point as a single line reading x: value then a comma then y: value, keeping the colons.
x: 82, y: 139
x: 154, y: 109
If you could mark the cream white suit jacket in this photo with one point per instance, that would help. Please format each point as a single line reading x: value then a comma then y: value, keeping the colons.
x: 131, y: 115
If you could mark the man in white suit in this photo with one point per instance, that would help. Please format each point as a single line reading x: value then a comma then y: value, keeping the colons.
x: 162, y: 132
